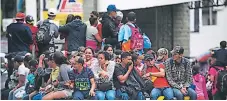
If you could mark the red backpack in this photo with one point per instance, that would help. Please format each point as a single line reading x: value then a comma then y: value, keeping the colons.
x: 136, y: 39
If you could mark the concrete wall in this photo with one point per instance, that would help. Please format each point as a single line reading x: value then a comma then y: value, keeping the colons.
x: 209, y: 36
x: 181, y: 22
x: 89, y: 6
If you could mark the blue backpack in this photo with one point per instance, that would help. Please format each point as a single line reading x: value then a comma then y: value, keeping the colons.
x: 147, y: 41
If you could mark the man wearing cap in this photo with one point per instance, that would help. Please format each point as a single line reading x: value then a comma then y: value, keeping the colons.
x: 23, y: 73
x: 53, y: 32
x: 179, y: 74
x: 156, y: 72
x: 30, y: 23
x: 109, y: 28
x: 19, y: 38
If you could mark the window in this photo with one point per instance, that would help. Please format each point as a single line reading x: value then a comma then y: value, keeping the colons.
x: 194, y: 18
x: 209, y: 15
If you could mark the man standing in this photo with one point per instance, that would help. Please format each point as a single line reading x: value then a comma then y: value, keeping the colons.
x: 48, y: 30
x: 30, y: 23
x: 109, y: 28
x: 179, y: 74
x: 130, y: 35
x: 76, y: 33
x: 19, y: 38
x: 221, y: 55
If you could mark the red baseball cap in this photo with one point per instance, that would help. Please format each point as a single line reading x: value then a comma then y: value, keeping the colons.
x: 20, y: 15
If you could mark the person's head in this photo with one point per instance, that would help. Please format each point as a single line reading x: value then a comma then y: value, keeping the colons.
x: 118, y: 52
x: 20, y: 17
x: 27, y: 58
x: 149, y: 60
x: 126, y: 58
x: 89, y: 53
x: 52, y: 13
x: 131, y: 17
x: 119, y: 17
x: 152, y: 53
x: 109, y: 49
x: 177, y: 53
x: 162, y: 54
x: 195, y: 69
x: 78, y: 63
x: 33, y: 64
x: 117, y: 59
x: 18, y: 60
x: 94, y: 14
x: 103, y: 57
x: 70, y: 18
x: 112, y: 11
x: 223, y: 44
x: 77, y: 17
x: 93, y: 21
x: 29, y: 20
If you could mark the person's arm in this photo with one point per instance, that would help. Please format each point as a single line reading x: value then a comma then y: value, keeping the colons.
x: 188, y: 79
x: 55, y: 29
x: 28, y: 35
x: 65, y: 76
x: 93, y: 84
x: 205, y: 89
x: 112, y: 29
x: 98, y: 38
x: 110, y: 69
x: 169, y: 75
x: 159, y: 74
x: 123, y: 77
x: 21, y: 80
x: 64, y: 29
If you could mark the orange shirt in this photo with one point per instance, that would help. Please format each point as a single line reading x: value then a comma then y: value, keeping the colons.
x: 160, y: 82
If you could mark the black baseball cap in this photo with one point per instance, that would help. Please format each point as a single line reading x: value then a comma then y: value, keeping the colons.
x: 19, y: 58
x: 148, y: 56
x: 178, y: 49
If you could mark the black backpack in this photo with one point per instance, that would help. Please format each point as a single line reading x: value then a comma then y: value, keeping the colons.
x: 221, y: 80
x: 43, y: 35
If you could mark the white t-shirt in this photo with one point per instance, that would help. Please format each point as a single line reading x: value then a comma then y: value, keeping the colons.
x: 91, y: 32
x: 22, y: 70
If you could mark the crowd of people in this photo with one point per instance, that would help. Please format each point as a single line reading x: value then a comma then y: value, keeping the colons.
x: 103, y: 59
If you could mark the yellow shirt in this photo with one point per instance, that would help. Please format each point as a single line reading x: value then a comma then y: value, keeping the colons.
x: 55, y: 73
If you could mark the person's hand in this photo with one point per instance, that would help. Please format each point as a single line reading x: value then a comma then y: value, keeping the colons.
x: 14, y: 89
x: 184, y: 91
x: 41, y: 57
x: 147, y: 75
x: 42, y: 89
x: 130, y: 67
x: 92, y: 93
x: 104, y: 74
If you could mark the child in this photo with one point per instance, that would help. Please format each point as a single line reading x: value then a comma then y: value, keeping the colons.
x: 31, y: 76
x: 200, y: 82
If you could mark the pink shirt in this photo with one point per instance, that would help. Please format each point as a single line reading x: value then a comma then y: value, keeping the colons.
x: 200, y: 82
x: 214, y: 73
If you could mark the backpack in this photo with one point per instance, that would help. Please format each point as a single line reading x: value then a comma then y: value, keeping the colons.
x: 221, y: 80
x: 137, y: 41
x: 147, y: 41
x: 43, y: 35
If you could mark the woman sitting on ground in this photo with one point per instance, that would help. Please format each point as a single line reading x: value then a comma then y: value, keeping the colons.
x: 90, y: 60
x: 104, y: 77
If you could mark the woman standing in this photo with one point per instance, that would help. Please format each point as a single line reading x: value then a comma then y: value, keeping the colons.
x: 104, y: 77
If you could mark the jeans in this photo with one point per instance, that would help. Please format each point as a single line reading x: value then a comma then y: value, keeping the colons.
x: 13, y: 93
x: 125, y: 96
x: 109, y: 95
x: 167, y: 92
x: 191, y: 93
x: 26, y: 97
x: 81, y: 95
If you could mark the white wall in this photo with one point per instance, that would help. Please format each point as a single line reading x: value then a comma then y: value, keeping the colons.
x: 135, y: 4
x: 209, y: 36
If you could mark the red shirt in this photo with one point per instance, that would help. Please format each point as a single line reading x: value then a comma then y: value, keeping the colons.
x: 34, y: 31
x: 160, y: 82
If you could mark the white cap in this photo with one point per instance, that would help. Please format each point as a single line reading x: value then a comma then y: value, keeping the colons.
x: 52, y: 11
x: 120, y: 14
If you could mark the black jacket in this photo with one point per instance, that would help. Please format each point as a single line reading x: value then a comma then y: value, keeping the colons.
x: 19, y: 37
x: 109, y: 30
x: 76, y: 34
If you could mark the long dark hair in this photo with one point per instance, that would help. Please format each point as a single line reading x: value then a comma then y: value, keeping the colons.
x: 70, y: 18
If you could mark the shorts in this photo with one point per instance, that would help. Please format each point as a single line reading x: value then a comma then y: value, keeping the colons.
x: 68, y: 92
